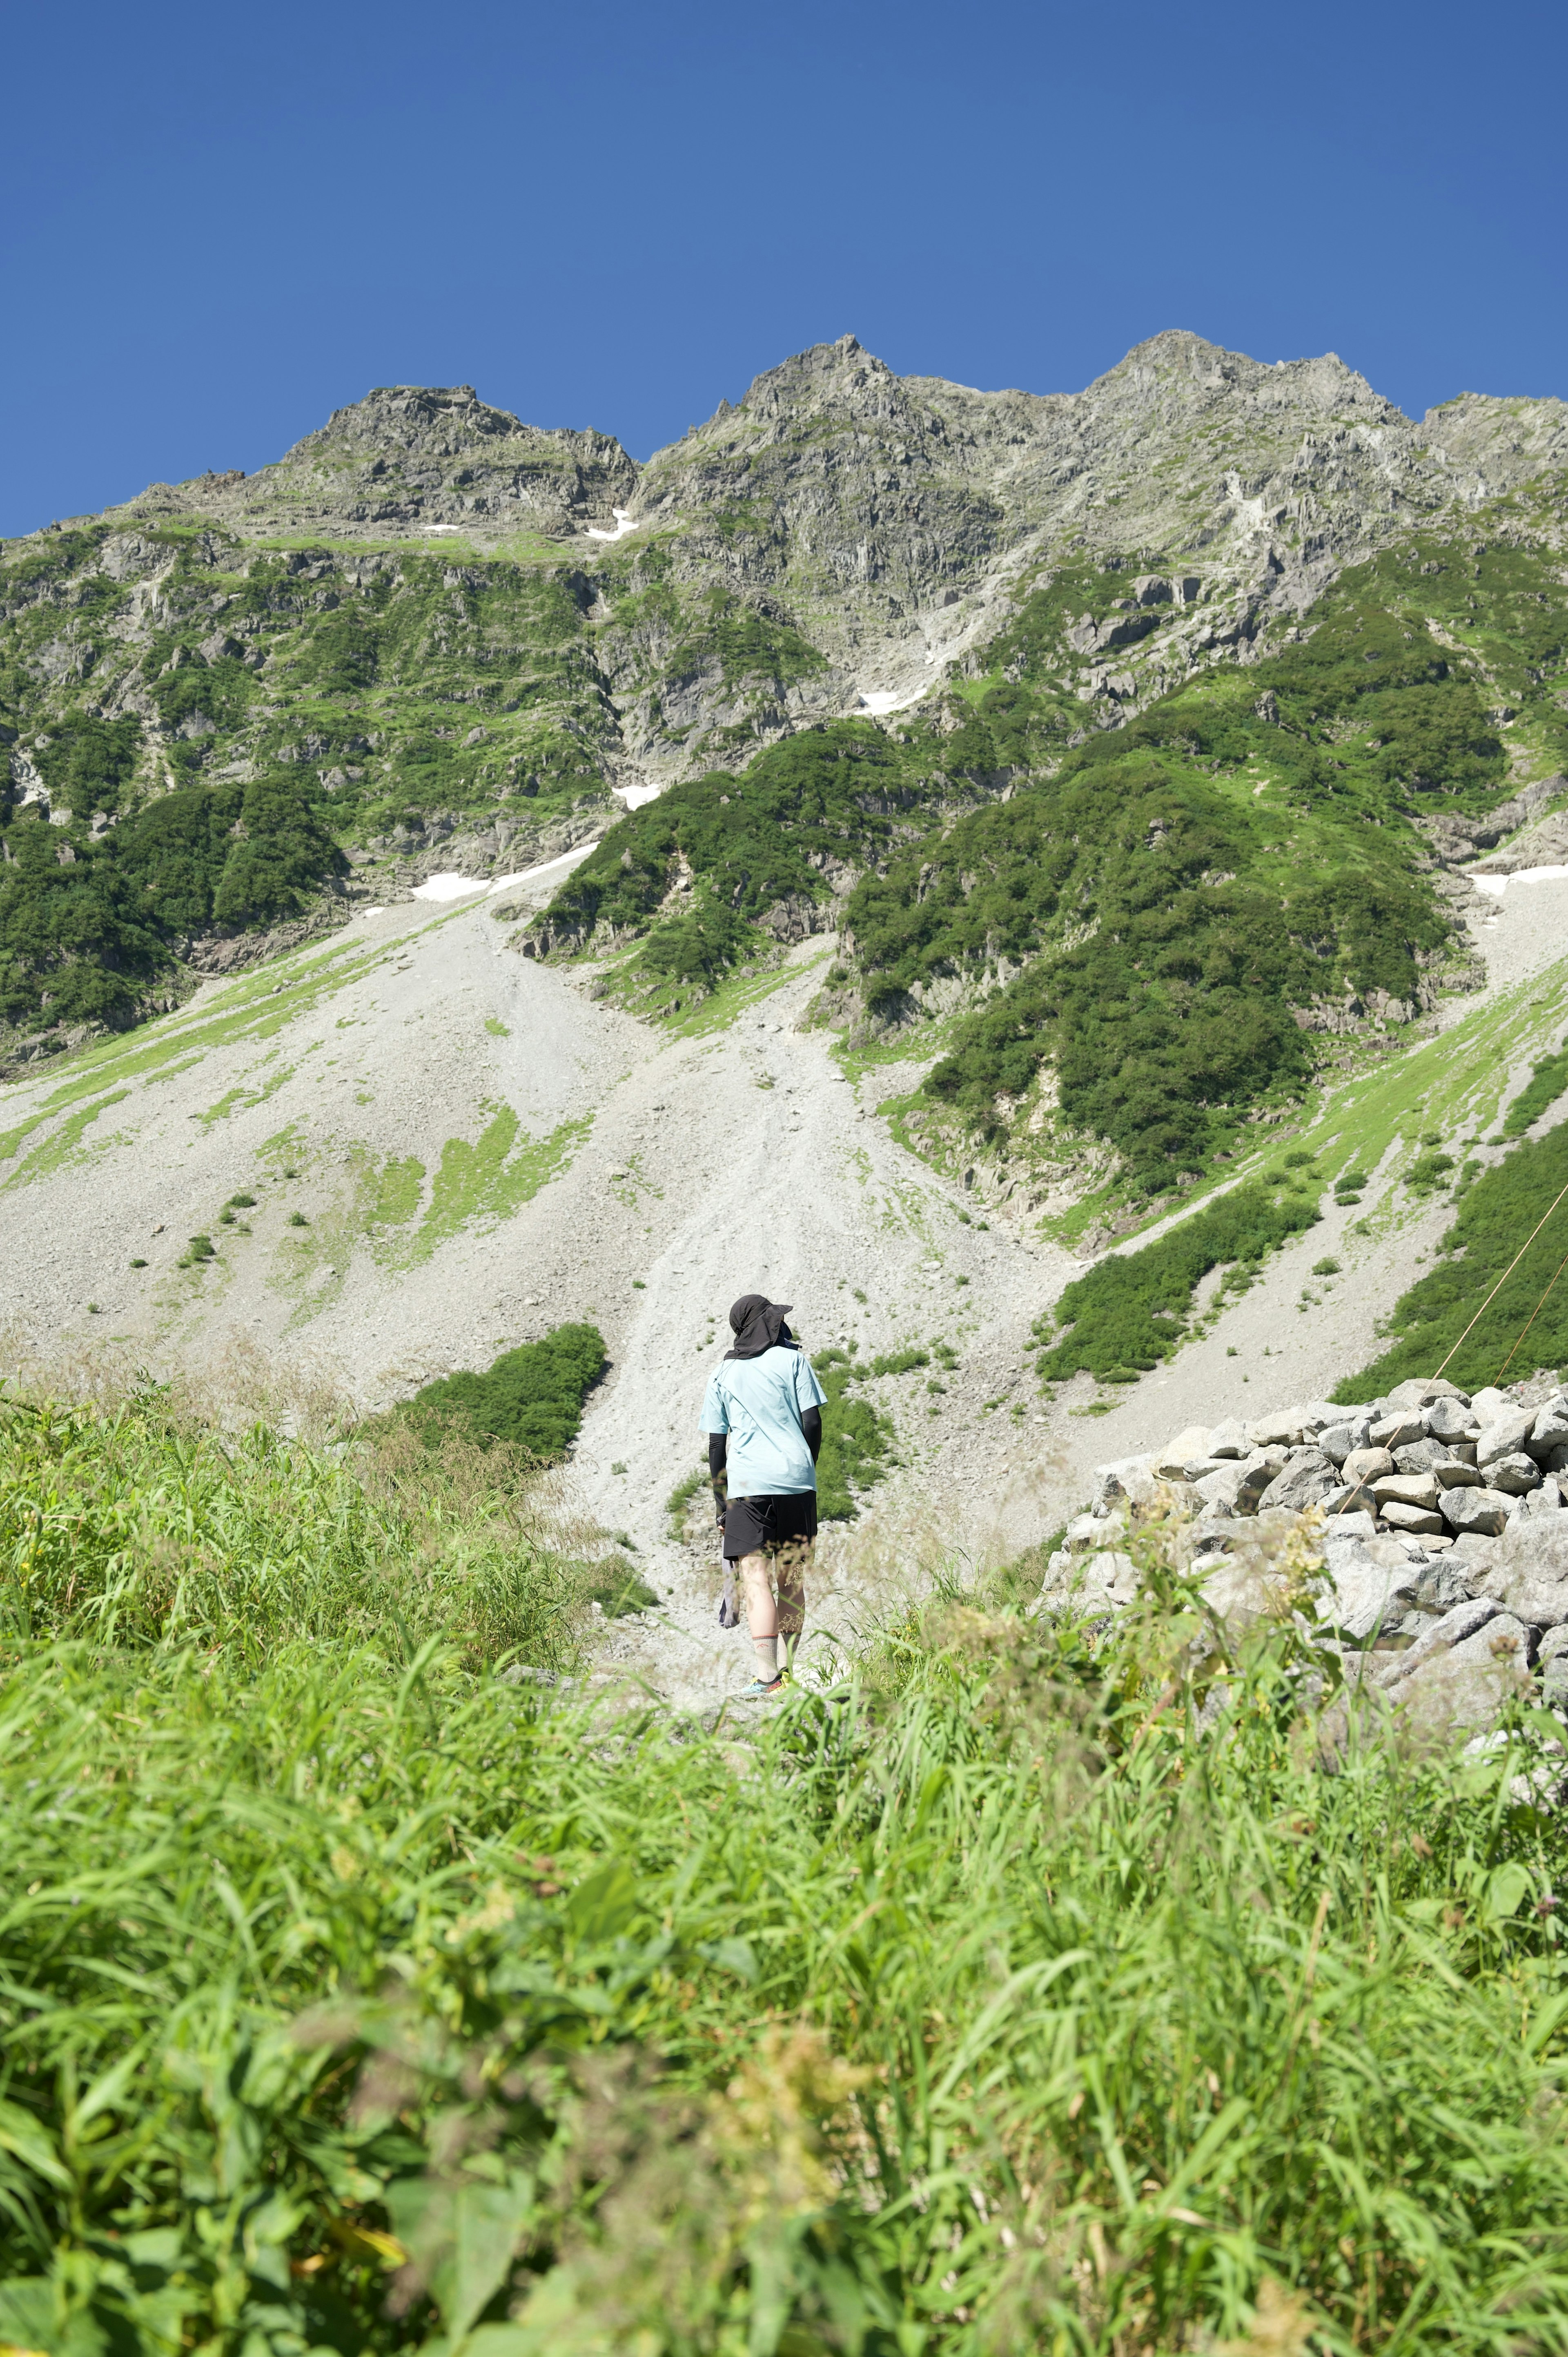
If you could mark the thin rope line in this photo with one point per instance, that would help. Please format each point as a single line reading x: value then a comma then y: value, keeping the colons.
x: 1530, y: 1322
x: 1504, y: 1278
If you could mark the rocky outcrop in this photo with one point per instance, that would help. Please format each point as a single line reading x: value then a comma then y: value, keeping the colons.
x: 1424, y: 1533
x: 1457, y: 841
x: 417, y: 457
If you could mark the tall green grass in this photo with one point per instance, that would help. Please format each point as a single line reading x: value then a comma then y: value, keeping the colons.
x: 1011, y: 1988
x: 138, y: 1525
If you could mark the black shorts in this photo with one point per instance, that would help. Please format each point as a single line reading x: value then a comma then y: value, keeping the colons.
x: 758, y: 1525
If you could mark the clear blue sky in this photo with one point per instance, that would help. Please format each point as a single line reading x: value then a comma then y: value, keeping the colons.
x: 218, y: 224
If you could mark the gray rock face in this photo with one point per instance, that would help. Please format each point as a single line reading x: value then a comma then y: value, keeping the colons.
x: 1445, y: 1582
x: 1338, y: 1440
x: 1419, y: 1393
x: 1367, y: 1465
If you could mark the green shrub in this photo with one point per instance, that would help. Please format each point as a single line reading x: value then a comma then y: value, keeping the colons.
x: 531, y: 1397
x: 1130, y: 1310
x: 1429, y: 1170
x: 1325, y: 1267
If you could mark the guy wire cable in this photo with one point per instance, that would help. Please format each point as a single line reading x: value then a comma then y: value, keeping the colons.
x: 1530, y: 1322
x: 1506, y: 1274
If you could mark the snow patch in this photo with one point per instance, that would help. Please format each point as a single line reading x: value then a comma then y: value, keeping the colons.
x: 447, y: 887
x: 623, y: 525
x: 635, y: 796
x: 1497, y: 885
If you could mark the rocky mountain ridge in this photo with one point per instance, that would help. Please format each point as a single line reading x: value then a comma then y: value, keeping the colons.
x: 1013, y: 694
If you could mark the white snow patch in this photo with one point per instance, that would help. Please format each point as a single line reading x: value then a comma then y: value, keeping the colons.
x: 1497, y: 885
x: 635, y: 796
x: 525, y: 875
x: 428, y: 528
x: 447, y: 887
x: 623, y: 525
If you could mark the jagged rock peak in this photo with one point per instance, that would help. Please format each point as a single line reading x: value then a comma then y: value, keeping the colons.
x: 1186, y: 367
x: 440, y: 420
x: 842, y: 376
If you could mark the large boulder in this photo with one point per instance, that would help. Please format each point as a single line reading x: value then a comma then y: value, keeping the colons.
x: 1281, y: 1430
x: 1513, y: 1475
x: 1397, y: 1431
x: 1372, y: 1583
x: 1410, y: 1489
x: 1449, y: 1420
x: 1421, y: 1392
x: 1127, y: 1479
x: 1367, y: 1465
x: 1528, y: 1573
x: 1236, y: 1485
x: 1485, y: 1511
x: 1550, y: 1430
x: 1337, y: 1440
x: 1466, y: 1685
x: 1229, y: 1439
x: 1188, y: 1448
x: 1305, y: 1479
x: 1504, y: 1435
x: 1460, y: 1621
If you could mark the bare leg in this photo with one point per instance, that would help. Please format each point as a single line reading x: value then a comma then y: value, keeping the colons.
x: 766, y: 1620
x: 790, y: 1571
x: 761, y: 1613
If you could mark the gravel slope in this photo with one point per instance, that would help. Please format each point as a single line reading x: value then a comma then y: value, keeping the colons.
x: 681, y: 1182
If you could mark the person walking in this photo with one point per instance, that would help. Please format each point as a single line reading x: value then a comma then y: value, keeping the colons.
x: 762, y: 1415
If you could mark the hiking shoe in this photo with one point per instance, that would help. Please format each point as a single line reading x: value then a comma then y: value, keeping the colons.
x: 761, y: 1687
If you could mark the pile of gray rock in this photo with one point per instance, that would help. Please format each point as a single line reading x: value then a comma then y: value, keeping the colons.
x: 1426, y: 1533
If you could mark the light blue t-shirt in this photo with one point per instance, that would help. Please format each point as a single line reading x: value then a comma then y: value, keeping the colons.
x: 759, y: 1402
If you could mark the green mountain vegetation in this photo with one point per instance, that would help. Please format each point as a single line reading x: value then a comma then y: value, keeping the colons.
x: 1499, y: 1321
x: 531, y: 1396
x: 989, y: 1993
x: 1145, y: 930
x: 1163, y: 839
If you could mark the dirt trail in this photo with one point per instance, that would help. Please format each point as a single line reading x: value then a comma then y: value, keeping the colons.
x: 668, y: 1175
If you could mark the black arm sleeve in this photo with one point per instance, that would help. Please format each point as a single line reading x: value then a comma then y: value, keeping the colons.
x: 719, y: 1453
x: 812, y: 1426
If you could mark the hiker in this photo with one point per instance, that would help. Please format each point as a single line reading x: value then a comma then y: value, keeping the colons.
x: 763, y: 1417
